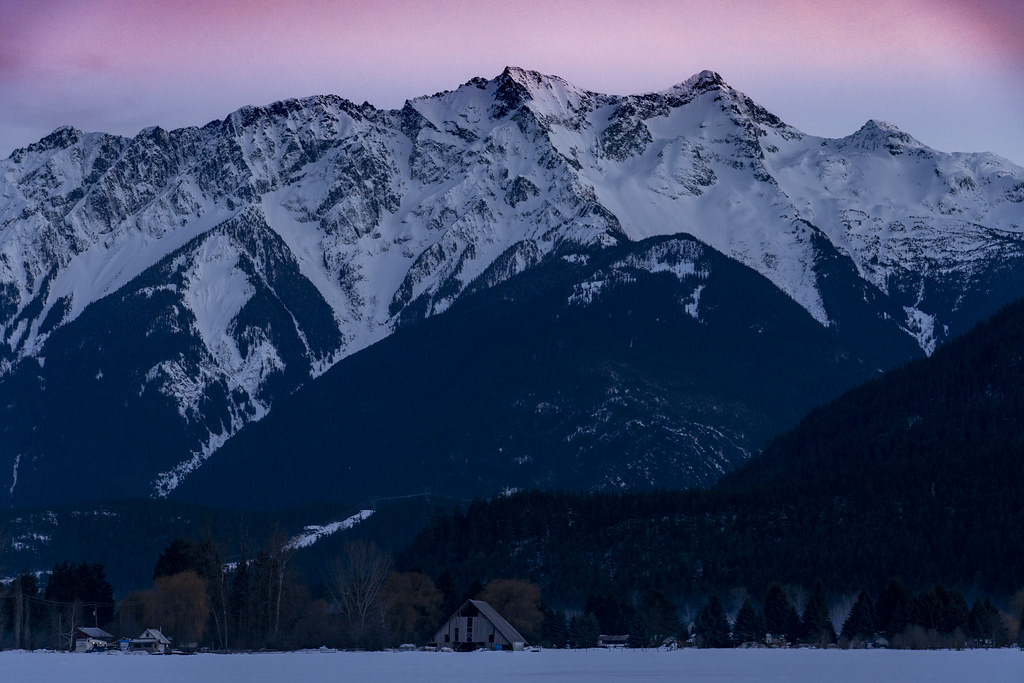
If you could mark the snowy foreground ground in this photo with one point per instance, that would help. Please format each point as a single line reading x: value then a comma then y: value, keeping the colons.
x: 599, y: 666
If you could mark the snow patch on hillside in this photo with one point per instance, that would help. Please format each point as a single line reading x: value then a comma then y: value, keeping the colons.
x: 314, y: 533
x: 691, y: 307
x: 584, y: 293
x: 922, y: 327
x: 14, y: 473
x: 166, y: 482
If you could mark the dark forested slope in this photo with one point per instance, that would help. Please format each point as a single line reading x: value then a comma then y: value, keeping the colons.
x: 918, y: 474
x: 653, y: 364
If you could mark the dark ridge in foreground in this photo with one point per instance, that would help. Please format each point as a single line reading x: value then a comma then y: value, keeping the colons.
x: 918, y: 474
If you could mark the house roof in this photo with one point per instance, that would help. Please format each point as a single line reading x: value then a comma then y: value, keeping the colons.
x: 152, y: 634
x: 97, y: 633
x: 500, y: 623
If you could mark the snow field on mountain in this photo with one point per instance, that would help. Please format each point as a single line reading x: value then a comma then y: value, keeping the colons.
x: 104, y: 266
x: 652, y: 193
x: 215, y: 291
x: 592, y: 666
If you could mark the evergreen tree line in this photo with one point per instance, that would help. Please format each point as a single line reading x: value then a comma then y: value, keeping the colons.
x: 688, y: 544
x: 935, y: 618
x: 75, y: 595
x: 199, y: 601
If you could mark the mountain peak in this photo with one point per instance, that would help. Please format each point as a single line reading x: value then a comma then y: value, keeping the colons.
x: 550, y: 94
x: 520, y: 75
x: 62, y: 137
x: 532, y: 81
x: 703, y: 81
x: 879, y: 126
x: 876, y: 133
x: 300, y: 109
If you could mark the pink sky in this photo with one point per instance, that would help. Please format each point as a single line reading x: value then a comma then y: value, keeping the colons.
x: 950, y: 72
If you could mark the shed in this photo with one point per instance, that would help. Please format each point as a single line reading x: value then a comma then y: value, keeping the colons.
x: 612, y: 640
x: 152, y: 641
x: 88, y: 638
x: 475, y: 626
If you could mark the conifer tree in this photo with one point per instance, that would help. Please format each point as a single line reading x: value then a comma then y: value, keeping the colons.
x: 639, y: 633
x: 712, y: 625
x: 583, y: 631
x: 749, y: 627
x: 660, y: 615
x: 894, y: 610
x: 780, y: 617
x: 614, y: 615
x: 446, y: 584
x: 861, y: 621
x: 985, y: 627
x: 942, y: 609
x: 816, y: 624
x: 179, y: 556
x: 84, y: 583
x: 554, y: 629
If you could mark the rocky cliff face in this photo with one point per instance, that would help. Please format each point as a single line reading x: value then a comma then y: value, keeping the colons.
x: 244, y: 258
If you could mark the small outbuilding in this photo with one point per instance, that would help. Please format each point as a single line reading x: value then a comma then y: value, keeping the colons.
x: 477, y: 626
x: 88, y: 638
x: 151, y: 641
x: 612, y: 640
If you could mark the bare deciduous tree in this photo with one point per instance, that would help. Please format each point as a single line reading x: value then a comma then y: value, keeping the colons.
x: 281, y: 552
x: 212, y: 558
x: 357, y: 583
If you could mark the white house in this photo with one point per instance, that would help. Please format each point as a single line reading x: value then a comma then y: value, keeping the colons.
x: 152, y: 641
x: 88, y: 638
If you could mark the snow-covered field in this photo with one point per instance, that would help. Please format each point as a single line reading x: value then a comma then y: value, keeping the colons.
x: 596, y: 666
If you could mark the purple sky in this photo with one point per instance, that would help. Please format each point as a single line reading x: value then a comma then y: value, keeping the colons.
x: 949, y: 72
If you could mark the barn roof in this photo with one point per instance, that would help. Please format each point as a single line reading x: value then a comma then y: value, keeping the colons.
x: 506, y: 629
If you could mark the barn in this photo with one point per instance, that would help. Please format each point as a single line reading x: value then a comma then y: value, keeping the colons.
x: 476, y: 626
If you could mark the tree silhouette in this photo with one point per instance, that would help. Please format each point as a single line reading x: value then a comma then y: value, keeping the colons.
x: 816, y: 623
x: 860, y: 623
x: 780, y: 617
x: 712, y: 625
x: 749, y: 627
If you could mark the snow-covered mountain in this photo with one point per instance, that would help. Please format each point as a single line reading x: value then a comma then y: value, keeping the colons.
x: 244, y: 258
